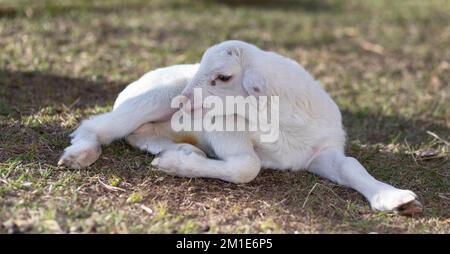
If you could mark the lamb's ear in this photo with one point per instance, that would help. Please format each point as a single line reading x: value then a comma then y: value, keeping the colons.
x: 254, y: 83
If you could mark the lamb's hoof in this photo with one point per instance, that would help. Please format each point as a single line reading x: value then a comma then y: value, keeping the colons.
x: 404, y: 202
x: 410, y: 209
x: 79, y: 156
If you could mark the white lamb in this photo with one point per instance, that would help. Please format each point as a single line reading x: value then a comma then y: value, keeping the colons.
x: 311, y: 136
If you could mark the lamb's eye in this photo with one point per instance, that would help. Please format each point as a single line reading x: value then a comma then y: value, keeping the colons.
x: 223, y: 78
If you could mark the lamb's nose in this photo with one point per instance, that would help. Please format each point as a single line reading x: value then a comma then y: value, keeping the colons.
x: 181, y: 101
x: 188, y: 95
x: 192, y: 100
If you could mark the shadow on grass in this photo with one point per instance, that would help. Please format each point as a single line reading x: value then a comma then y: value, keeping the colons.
x: 31, y: 9
x: 372, y: 128
x: 25, y: 93
x: 28, y: 92
x: 55, y: 8
x: 287, y: 5
x: 33, y: 104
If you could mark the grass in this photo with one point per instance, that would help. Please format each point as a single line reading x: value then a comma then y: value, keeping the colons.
x: 386, y: 63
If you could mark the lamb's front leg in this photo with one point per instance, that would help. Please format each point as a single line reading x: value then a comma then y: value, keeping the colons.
x: 241, y: 168
x: 102, y: 129
x: 334, y: 165
x: 237, y: 161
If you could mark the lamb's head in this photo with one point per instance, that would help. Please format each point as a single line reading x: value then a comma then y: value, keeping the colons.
x: 227, y: 69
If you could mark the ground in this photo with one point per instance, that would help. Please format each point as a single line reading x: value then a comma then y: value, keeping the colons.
x: 386, y: 63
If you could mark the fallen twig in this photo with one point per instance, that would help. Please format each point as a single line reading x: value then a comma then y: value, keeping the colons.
x: 371, y: 47
x: 437, y: 137
x: 443, y: 196
x: 309, y: 193
x: 411, y: 152
x: 147, y: 209
x: 109, y: 187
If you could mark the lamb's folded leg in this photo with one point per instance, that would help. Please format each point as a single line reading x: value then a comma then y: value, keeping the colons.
x: 237, y: 162
x: 154, y: 105
x: 334, y: 165
x: 240, y: 168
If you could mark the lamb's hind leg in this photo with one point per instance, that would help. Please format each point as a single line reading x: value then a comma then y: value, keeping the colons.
x: 334, y: 165
x: 99, y: 130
